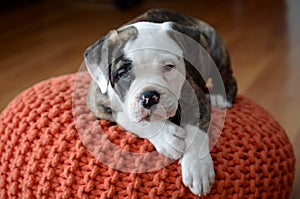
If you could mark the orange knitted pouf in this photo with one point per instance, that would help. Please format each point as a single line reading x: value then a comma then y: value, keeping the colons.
x: 42, y: 155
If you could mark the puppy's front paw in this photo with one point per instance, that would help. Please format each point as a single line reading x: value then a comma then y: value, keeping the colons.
x: 170, y: 142
x: 198, y: 173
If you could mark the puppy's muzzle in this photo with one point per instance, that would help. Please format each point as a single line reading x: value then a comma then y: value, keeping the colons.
x: 149, y: 98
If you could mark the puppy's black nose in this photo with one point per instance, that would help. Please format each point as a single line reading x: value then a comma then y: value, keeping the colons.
x: 149, y: 98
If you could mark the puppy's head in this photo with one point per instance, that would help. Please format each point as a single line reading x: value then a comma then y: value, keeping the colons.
x: 141, y: 68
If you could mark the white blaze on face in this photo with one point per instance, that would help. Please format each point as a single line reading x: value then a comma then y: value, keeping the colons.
x: 150, y: 53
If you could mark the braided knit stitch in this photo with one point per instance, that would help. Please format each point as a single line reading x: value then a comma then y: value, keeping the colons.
x: 42, y: 155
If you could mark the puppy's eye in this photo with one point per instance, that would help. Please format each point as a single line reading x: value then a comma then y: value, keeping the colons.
x: 126, y: 66
x: 121, y: 72
x: 169, y: 67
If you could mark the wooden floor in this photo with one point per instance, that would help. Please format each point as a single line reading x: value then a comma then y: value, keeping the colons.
x: 47, y: 39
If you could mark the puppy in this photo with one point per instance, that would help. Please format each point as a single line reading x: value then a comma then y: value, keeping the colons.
x: 141, y: 72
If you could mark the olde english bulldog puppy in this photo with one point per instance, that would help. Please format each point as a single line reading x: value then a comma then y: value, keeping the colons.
x: 140, y: 73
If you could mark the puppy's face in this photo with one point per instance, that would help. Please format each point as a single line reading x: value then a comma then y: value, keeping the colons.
x: 142, y: 70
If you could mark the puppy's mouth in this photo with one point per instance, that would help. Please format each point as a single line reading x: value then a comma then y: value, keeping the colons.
x: 155, y: 113
x: 146, y: 117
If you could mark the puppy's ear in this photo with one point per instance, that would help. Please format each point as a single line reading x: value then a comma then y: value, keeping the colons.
x: 96, y: 58
x: 211, y: 41
x: 189, y: 38
x: 205, y: 35
x: 100, y: 55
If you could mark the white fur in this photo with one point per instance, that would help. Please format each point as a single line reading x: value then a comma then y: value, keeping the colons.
x: 116, y: 103
x: 167, y: 137
x: 150, y: 52
x: 219, y: 101
x: 197, y: 165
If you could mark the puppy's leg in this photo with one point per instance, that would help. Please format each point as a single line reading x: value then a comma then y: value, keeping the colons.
x: 167, y: 137
x: 219, y: 101
x: 231, y: 89
x: 169, y: 141
x: 197, y: 165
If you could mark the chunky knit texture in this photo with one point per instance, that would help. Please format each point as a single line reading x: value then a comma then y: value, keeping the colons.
x: 42, y: 155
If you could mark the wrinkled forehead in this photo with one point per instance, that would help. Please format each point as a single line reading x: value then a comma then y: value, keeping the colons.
x: 153, y: 37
